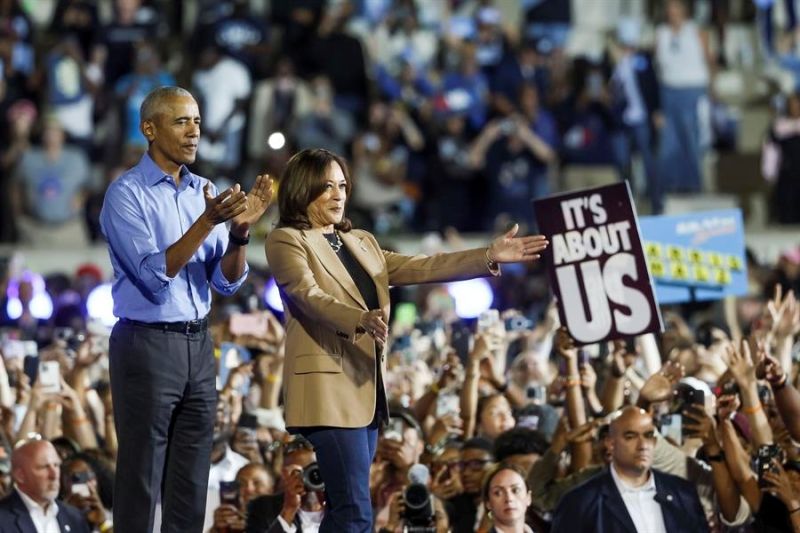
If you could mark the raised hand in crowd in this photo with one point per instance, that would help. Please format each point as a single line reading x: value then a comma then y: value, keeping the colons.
x: 784, y: 319
x: 659, y: 387
x: 778, y: 483
x: 786, y: 395
x: 446, y: 482
x: 449, y: 425
x: 576, y: 411
x: 469, y: 392
x: 293, y: 491
x: 588, y: 383
x: 613, y: 395
x: 91, y: 506
x: 699, y: 424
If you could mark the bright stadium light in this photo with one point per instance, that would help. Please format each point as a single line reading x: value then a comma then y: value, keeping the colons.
x: 100, y: 305
x: 272, y: 296
x: 472, y: 296
x: 276, y: 140
x: 41, y: 305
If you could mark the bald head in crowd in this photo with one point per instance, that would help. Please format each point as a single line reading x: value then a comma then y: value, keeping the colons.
x: 631, y: 441
x: 35, y: 469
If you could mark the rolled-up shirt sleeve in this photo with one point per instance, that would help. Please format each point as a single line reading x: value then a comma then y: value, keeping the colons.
x: 218, y: 280
x: 133, y: 245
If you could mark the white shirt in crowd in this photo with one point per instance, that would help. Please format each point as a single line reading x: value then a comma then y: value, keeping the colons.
x: 644, y: 510
x: 225, y: 470
x: 309, y: 522
x: 43, y: 521
x: 680, y: 57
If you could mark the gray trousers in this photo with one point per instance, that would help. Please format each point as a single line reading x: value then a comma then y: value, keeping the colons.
x: 164, y: 392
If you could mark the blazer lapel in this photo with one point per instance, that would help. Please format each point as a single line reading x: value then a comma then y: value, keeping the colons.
x: 612, y: 502
x: 667, y: 500
x: 361, y: 252
x: 24, y: 520
x: 330, y: 261
x: 62, y: 522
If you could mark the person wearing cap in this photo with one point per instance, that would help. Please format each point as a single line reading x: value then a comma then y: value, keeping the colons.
x: 169, y: 246
x: 630, y: 495
x: 32, y: 506
x: 635, y: 96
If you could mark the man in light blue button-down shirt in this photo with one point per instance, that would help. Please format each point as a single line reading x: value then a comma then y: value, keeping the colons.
x: 169, y: 245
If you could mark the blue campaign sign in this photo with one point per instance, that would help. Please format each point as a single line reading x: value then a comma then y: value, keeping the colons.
x: 696, y: 256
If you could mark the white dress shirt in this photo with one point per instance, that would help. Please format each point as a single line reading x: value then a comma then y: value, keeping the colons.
x: 644, y: 510
x: 309, y: 522
x: 43, y: 521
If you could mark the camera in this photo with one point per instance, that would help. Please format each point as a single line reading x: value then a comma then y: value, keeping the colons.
x: 71, y: 338
x: 312, y: 478
x: 419, y: 513
x: 763, y: 461
x: 518, y: 323
x: 686, y: 395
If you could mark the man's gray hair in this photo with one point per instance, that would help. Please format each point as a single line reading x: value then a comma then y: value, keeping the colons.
x: 152, y: 102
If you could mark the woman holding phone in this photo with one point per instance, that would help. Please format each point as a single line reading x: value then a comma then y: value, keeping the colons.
x: 334, y: 282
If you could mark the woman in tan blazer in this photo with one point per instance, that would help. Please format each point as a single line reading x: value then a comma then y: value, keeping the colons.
x: 334, y: 282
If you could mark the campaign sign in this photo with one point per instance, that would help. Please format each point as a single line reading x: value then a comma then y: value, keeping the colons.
x: 596, y: 264
x: 696, y: 256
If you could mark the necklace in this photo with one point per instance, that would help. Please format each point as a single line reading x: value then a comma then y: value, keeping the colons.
x: 335, y: 241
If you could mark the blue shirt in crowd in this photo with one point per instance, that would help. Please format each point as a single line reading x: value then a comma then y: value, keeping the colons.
x: 143, y: 214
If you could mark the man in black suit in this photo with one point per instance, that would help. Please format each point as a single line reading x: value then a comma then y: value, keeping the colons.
x: 32, y: 506
x: 296, y: 509
x: 629, y: 496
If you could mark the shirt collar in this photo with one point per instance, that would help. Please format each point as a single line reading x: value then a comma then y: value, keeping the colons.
x: 32, y: 506
x: 153, y: 174
x: 649, y: 486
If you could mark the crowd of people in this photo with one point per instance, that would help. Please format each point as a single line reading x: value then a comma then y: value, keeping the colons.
x: 506, y: 416
x: 438, y: 103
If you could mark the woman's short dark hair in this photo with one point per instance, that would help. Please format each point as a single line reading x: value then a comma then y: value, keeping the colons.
x: 303, y: 181
x: 487, y: 479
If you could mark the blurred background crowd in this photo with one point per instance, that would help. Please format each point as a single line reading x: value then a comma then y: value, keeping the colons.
x: 453, y: 115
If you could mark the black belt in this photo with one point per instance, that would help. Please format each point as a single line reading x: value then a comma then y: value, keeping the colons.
x: 192, y: 326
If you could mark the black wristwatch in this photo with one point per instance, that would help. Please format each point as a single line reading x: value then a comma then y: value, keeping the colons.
x: 238, y: 241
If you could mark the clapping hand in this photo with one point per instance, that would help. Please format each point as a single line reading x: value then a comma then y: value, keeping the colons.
x: 228, y: 204
x: 257, y: 202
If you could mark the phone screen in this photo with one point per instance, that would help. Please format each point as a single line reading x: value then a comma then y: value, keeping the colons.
x: 447, y: 404
x: 50, y: 377
x: 672, y: 428
x: 81, y: 489
x: 229, y: 493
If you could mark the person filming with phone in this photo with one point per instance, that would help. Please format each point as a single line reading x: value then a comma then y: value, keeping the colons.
x: 334, y: 283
